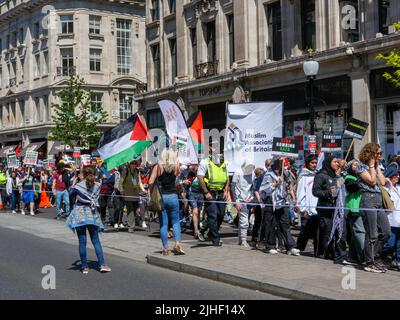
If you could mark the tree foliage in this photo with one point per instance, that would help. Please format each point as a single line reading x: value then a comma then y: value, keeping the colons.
x: 77, y: 117
x: 393, y: 60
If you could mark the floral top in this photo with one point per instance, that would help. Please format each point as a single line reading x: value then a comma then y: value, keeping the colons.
x: 366, y: 187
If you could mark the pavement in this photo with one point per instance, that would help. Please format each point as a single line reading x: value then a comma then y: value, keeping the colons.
x: 281, y: 275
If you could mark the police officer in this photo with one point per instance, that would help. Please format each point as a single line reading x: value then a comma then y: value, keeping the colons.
x: 214, y: 181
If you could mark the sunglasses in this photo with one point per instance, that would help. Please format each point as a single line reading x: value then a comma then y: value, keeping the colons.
x: 379, y: 153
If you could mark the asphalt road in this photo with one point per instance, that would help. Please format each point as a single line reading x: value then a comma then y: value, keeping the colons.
x: 23, y: 256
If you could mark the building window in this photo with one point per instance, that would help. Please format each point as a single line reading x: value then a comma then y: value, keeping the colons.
x: 383, y: 9
x: 94, y: 24
x: 95, y: 59
x: 274, y: 49
x: 67, y: 24
x: 231, y: 30
x: 124, y: 46
x: 155, y: 51
x: 155, y: 119
x: 45, y: 62
x: 8, y: 42
x: 308, y: 24
x: 350, y: 32
x: 125, y: 107
x: 37, y: 109
x: 1, y: 77
x: 36, y: 31
x: 67, y: 58
x: 155, y: 10
x: 46, y: 111
x: 22, y: 69
x: 14, y: 40
x: 172, y: 6
x: 21, y: 36
x: 97, y: 101
x: 37, y: 66
x: 174, y: 61
x: 193, y: 39
x: 211, y: 42
x: 22, y: 108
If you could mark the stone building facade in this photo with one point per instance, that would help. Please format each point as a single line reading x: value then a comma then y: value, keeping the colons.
x: 42, y: 42
x: 204, y: 53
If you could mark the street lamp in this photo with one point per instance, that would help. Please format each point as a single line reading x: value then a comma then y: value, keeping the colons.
x: 311, y: 68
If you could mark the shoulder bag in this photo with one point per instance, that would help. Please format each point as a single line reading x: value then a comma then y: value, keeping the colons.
x: 156, y: 201
x: 387, y: 202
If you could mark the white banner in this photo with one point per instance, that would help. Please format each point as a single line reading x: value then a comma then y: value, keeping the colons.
x: 396, y: 132
x: 178, y: 132
x: 251, y: 128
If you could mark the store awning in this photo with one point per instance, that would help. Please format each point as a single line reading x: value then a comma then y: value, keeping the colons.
x: 5, y: 150
x: 35, y: 146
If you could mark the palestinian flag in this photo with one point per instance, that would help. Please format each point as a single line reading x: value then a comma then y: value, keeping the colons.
x: 124, y: 142
x: 195, y: 125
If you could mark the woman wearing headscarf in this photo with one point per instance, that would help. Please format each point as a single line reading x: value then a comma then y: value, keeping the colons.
x: 326, y: 189
x: 86, y: 218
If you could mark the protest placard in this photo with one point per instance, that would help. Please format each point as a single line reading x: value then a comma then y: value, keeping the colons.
x: 356, y: 129
x: 12, y: 161
x: 85, y: 159
x: 331, y: 142
x: 285, y: 147
x: 310, y: 144
x: 31, y: 158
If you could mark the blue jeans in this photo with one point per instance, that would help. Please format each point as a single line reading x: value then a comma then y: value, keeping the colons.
x: 62, y: 196
x: 171, y: 211
x: 15, y: 200
x: 94, y: 236
x: 394, y: 243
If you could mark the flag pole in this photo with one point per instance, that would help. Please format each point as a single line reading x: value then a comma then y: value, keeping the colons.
x: 348, y: 151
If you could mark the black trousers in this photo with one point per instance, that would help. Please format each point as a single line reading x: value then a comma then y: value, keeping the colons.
x: 282, y: 218
x: 335, y: 249
x: 215, y: 216
x: 309, y: 231
x: 257, y: 234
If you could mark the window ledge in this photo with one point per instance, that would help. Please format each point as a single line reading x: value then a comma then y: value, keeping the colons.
x: 170, y: 16
x: 35, y: 41
x: 36, y: 78
x: 153, y: 24
x: 45, y: 76
x: 95, y: 36
x: 97, y: 72
x: 62, y: 36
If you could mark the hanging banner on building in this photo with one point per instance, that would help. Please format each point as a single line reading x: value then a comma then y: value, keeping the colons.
x: 356, y: 129
x: 12, y: 161
x: 285, y: 147
x: 331, y: 142
x: 310, y: 144
x: 178, y: 132
x: 396, y: 132
x: 31, y: 158
x: 247, y: 135
x: 85, y: 159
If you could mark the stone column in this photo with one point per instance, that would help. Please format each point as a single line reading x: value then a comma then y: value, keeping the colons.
x: 321, y: 25
x: 334, y: 20
x: 182, y: 42
x: 361, y: 105
x: 241, y: 33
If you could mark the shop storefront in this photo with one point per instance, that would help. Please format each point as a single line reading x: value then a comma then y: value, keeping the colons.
x: 386, y: 107
x: 332, y: 104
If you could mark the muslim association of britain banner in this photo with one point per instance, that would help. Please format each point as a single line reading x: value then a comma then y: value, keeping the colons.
x: 178, y: 132
x: 250, y: 130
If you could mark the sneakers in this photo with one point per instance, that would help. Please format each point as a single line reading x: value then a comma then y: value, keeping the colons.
x: 200, y: 236
x: 23, y: 212
x: 85, y: 270
x: 273, y: 251
x: 32, y: 213
x: 131, y: 230
x: 245, y: 244
x: 379, y: 263
x: 144, y: 225
x: 372, y: 267
x: 13, y: 212
x: 293, y: 252
x: 105, y: 269
x: 122, y: 226
x: 116, y: 226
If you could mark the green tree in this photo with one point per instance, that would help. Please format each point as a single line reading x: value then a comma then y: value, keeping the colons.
x: 77, y: 117
x: 393, y: 60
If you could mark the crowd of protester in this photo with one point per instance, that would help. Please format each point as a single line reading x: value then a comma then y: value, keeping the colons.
x: 340, y: 206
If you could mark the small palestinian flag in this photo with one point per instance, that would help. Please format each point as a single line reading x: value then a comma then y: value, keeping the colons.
x: 195, y: 125
x: 124, y: 142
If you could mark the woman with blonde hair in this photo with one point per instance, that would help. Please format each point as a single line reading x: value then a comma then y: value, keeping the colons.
x: 166, y: 173
x: 375, y: 220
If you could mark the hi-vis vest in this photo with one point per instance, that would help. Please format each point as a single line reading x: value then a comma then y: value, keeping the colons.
x: 216, y: 176
x: 3, y: 178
